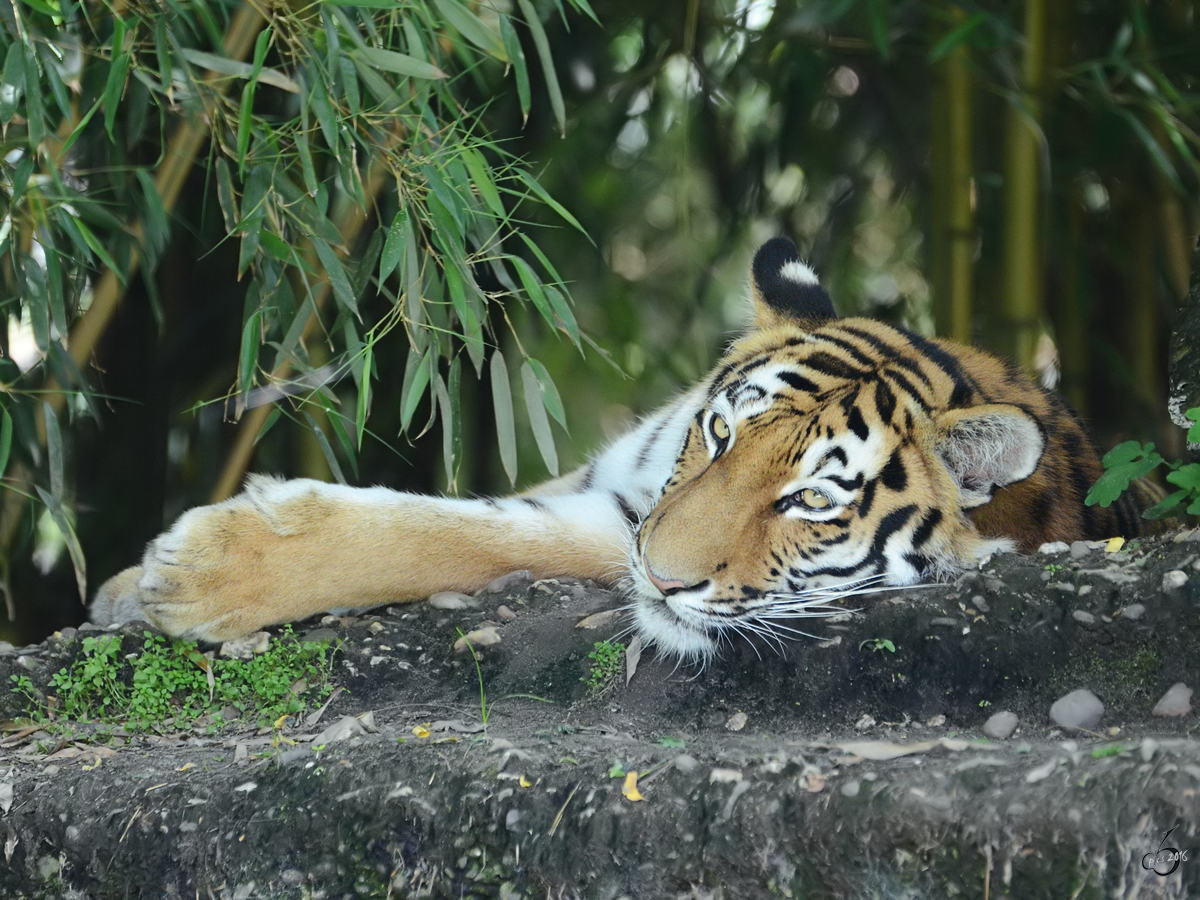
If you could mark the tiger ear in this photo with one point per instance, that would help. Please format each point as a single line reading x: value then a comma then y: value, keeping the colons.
x: 786, y: 290
x: 987, y: 447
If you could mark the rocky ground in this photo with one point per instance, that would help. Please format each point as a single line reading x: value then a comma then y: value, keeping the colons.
x: 907, y: 750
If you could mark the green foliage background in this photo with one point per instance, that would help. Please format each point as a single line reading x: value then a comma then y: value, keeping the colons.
x: 464, y: 220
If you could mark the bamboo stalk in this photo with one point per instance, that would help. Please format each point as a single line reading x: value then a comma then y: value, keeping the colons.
x: 1021, y: 303
x: 953, y: 232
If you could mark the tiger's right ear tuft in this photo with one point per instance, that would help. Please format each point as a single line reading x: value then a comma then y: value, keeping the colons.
x: 786, y: 290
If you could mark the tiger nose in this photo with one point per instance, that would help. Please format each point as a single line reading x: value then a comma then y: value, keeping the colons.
x: 666, y: 585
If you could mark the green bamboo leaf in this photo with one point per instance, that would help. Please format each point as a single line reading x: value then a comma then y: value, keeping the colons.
x: 516, y: 55
x: 275, y: 415
x: 54, y: 450
x: 586, y: 8
x: 37, y: 301
x: 543, y: 48
x: 1157, y: 155
x: 118, y: 68
x: 251, y: 341
x: 448, y: 426
x: 350, y: 84
x: 235, y: 68
x: 506, y: 431
x: 563, y: 309
x: 536, y: 407
x: 334, y: 418
x: 162, y: 52
x: 481, y: 178
x: 537, y: 251
x: 226, y: 198
x: 245, y: 120
x: 469, y: 26
x: 6, y: 430
x: 276, y: 246
x: 877, y: 17
x: 544, y: 196
x: 306, y: 163
x: 455, y: 422
x: 363, y: 407
x: 393, y: 247
x: 78, y: 561
x: 96, y: 247
x: 416, y: 379
x: 338, y: 279
x: 400, y: 63
x: 550, y: 397
x: 533, y: 287
x: 365, y: 4
x: 326, y: 449
x: 35, y: 124
x: 319, y: 97
x: 54, y: 284
x: 12, y: 81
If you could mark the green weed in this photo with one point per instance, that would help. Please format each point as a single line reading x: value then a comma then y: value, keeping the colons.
x: 1129, y: 461
x: 608, y: 660
x: 171, y: 679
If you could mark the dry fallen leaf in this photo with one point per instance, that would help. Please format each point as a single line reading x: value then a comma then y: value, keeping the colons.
x: 420, y: 731
x: 524, y: 782
x: 6, y: 796
x: 1114, y: 545
x: 633, y: 654
x: 630, y: 788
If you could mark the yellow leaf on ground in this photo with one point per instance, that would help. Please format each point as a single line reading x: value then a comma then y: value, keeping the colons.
x: 630, y: 789
x: 1114, y: 545
x: 420, y: 731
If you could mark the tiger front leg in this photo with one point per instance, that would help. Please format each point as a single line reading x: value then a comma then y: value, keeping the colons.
x: 285, y: 550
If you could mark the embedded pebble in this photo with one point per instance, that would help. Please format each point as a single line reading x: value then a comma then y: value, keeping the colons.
x: 1084, y: 590
x: 1192, y: 535
x: 1149, y: 746
x: 686, y: 763
x: 724, y: 776
x: 736, y: 722
x: 1177, y: 701
x: 1079, y: 709
x: 1133, y: 611
x: 505, y: 614
x: 1083, y: 618
x: 28, y: 663
x: 1174, y: 580
x: 1000, y: 726
x: 1054, y: 547
x: 943, y: 622
x: 850, y: 789
x: 504, y: 582
x: 246, y: 647
x: 452, y: 600
x: 980, y: 603
x: 375, y: 627
x: 480, y: 637
x: 320, y: 636
x: 1080, y: 549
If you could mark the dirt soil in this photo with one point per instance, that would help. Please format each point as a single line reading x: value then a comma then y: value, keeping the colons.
x: 851, y: 765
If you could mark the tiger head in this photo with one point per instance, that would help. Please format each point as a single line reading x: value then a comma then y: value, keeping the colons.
x: 826, y: 454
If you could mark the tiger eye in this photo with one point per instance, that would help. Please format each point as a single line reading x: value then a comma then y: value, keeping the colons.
x: 814, y: 499
x: 720, y: 428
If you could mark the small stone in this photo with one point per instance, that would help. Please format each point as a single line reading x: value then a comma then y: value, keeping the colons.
x: 736, y: 722
x: 850, y: 788
x: 1084, y: 618
x: 724, y: 776
x: 292, y: 877
x: 1049, y: 549
x: 342, y: 730
x: 1148, y: 748
x: 452, y: 600
x: 1080, y: 549
x: 28, y: 663
x: 1084, y: 590
x: 600, y: 620
x: 504, y: 582
x: 375, y: 627
x: 319, y: 636
x: 1133, y: 611
x: 67, y: 633
x: 1191, y: 535
x: 867, y: 721
x: 936, y: 722
x: 980, y: 603
x: 505, y: 614
x: 246, y: 647
x: 1177, y: 701
x: 1000, y: 726
x: 1081, y: 710
x: 480, y: 637
x: 330, y: 620
x: 943, y: 622
x: 1174, y: 580
x: 686, y: 763
x: 241, y: 752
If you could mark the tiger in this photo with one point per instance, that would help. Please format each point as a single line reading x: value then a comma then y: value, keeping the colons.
x: 821, y: 458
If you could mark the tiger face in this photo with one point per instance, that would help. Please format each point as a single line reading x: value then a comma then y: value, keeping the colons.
x: 825, y: 454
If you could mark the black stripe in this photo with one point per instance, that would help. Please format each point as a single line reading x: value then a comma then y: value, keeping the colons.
x: 533, y: 502
x: 894, y: 476
x: 627, y: 511
x: 925, y: 530
x: 965, y: 386
x: 890, y: 524
x: 589, y: 476
x: 885, y: 401
x: 859, y: 357
x: 799, y: 382
x: 867, y: 498
x: 856, y: 423
x: 847, y: 484
x: 644, y: 454
x: 828, y: 364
